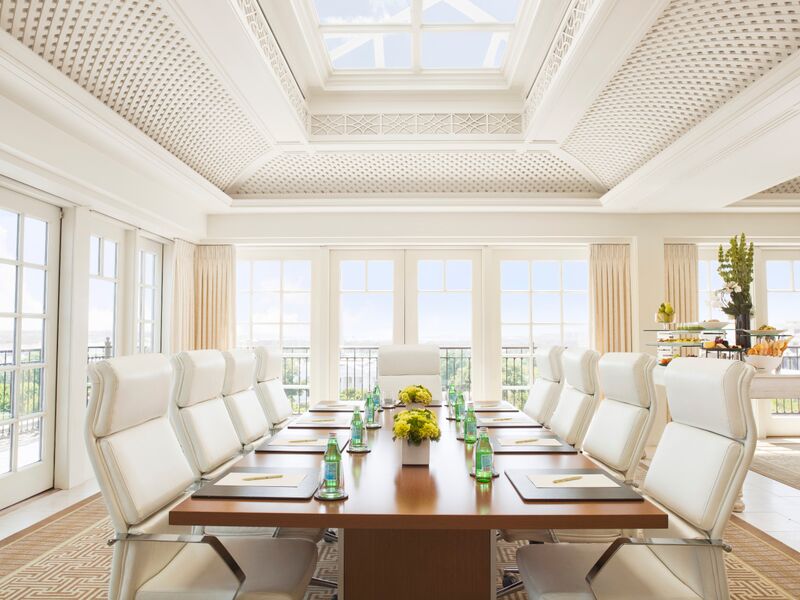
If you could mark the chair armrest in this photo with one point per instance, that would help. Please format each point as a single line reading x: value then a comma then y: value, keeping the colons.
x: 210, y: 540
x: 618, y: 543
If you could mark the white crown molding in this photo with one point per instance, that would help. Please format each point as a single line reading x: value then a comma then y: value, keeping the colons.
x: 712, y: 166
x: 48, y: 89
x: 416, y: 203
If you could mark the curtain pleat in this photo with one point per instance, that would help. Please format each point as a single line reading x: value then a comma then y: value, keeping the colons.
x: 610, y: 291
x: 214, y: 297
x: 680, y: 280
x: 183, y: 305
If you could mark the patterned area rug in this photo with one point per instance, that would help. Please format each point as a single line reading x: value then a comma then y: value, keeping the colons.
x: 66, y: 557
x: 778, y: 460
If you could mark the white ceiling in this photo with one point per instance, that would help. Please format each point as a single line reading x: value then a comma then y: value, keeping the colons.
x: 244, y: 94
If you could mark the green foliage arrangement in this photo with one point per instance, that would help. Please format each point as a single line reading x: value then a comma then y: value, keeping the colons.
x: 736, y: 270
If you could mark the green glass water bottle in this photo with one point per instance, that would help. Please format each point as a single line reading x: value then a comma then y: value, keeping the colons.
x: 484, y: 457
x: 452, y: 395
x: 376, y: 398
x: 458, y: 413
x: 470, y: 425
x: 332, y: 480
x: 369, y: 409
x: 358, y: 442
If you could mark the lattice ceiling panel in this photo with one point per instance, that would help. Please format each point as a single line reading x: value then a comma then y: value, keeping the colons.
x: 132, y: 56
x: 698, y: 55
x: 791, y: 186
x: 381, y: 173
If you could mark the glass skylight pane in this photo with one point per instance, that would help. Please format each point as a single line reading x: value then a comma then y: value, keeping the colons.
x: 362, y: 11
x: 470, y: 11
x: 369, y: 50
x: 463, y: 49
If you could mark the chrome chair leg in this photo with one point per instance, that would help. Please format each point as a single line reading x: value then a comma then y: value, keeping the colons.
x: 323, y: 583
x: 509, y: 589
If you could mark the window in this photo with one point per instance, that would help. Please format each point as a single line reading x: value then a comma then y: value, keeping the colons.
x: 273, y: 308
x: 783, y: 294
x: 543, y: 302
x: 444, y: 316
x: 367, y: 308
x: 148, y: 313
x: 416, y: 36
x: 28, y: 307
x: 103, y: 283
x: 708, y: 282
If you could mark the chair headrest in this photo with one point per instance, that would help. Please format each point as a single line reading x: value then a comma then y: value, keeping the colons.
x: 628, y: 377
x: 548, y: 363
x: 269, y: 361
x: 129, y: 391
x: 199, y: 375
x: 240, y: 369
x: 580, y: 369
x: 410, y: 359
x: 710, y: 394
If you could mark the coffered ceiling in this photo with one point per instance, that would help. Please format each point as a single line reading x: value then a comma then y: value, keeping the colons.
x: 563, y: 102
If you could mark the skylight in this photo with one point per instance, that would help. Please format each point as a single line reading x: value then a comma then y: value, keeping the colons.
x: 416, y: 35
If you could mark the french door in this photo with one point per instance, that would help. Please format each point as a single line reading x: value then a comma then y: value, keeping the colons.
x: 403, y: 297
x: 29, y: 243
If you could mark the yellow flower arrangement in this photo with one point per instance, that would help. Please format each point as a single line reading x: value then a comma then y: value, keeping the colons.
x: 415, y: 426
x: 416, y: 394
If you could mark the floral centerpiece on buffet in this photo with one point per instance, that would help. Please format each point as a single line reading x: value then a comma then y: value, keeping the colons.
x: 416, y: 428
x: 734, y: 299
x: 415, y: 394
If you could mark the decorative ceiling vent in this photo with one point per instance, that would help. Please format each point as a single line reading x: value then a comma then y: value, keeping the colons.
x: 132, y: 56
x: 698, y: 55
x: 415, y: 124
x: 787, y: 187
x: 415, y: 173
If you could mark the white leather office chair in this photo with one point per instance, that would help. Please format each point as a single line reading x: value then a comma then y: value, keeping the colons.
x: 269, y: 387
x: 207, y: 432
x: 546, y: 388
x: 402, y: 365
x: 615, y: 440
x: 142, y: 473
x: 199, y: 414
x: 248, y: 416
x: 695, y: 475
x: 578, y: 398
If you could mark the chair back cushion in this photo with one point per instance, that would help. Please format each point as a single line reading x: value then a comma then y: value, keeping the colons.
x: 240, y: 371
x: 701, y: 461
x: 274, y: 401
x: 248, y: 416
x: 623, y: 420
x: 548, y: 363
x: 136, y: 457
x: 269, y: 362
x: 199, y: 413
x: 200, y: 375
x: 400, y: 366
x: 580, y: 369
x: 542, y: 401
x: 707, y: 394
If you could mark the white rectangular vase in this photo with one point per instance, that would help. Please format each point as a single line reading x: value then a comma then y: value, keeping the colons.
x: 416, y: 455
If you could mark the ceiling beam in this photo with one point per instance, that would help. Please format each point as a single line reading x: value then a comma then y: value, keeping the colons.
x: 745, y: 147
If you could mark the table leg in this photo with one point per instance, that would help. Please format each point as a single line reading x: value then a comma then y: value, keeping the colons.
x: 397, y: 564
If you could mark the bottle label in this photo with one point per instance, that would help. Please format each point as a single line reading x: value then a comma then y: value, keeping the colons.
x: 486, y: 462
x: 331, y: 474
x: 470, y: 428
x: 355, y: 435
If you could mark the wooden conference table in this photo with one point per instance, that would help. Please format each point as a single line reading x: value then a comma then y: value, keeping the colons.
x: 418, y: 532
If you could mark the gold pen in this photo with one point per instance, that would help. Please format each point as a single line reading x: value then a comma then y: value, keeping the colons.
x: 566, y: 479
x: 258, y: 477
x: 504, y: 419
x: 526, y: 441
x: 301, y: 441
x: 322, y: 420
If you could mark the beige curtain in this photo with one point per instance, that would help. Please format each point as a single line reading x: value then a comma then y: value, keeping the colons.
x: 183, y: 309
x: 214, y: 282
x: 610, y: 293
x: 680, y: 280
